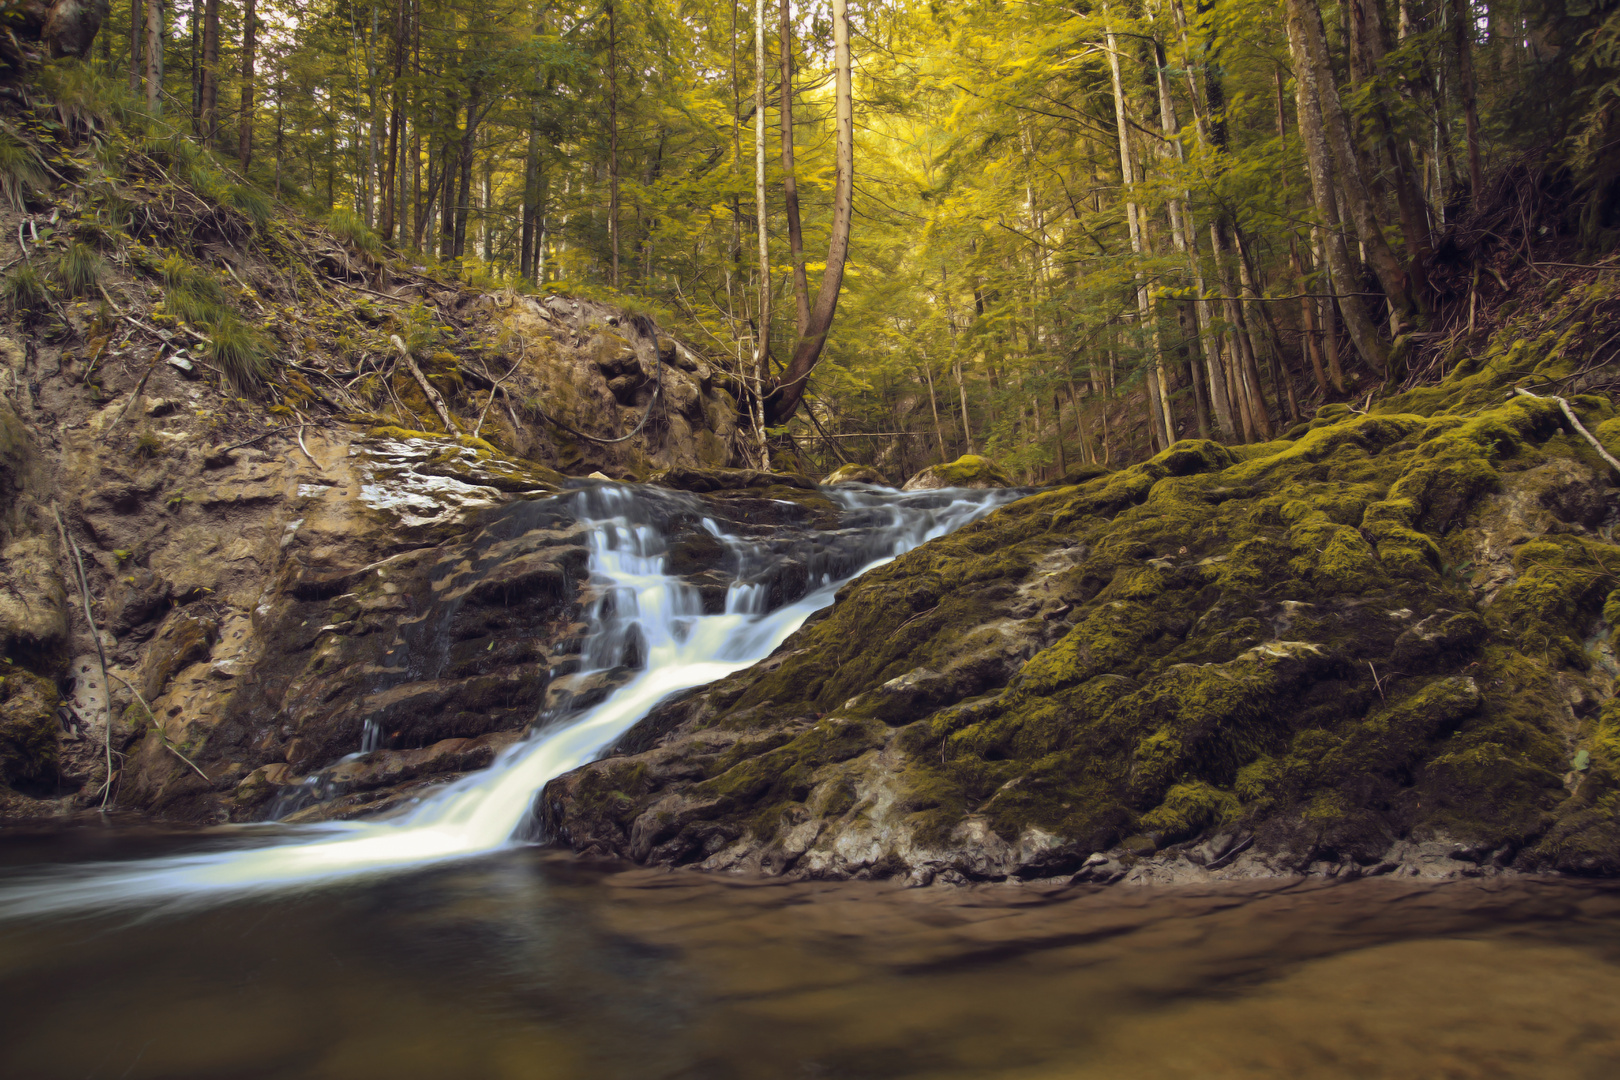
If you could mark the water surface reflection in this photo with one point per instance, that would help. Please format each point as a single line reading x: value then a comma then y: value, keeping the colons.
x: 532, y: 964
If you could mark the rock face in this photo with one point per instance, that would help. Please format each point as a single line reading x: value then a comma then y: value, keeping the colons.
x: 967, y: 471
x: 1383, y: 643
x: 589, y: 367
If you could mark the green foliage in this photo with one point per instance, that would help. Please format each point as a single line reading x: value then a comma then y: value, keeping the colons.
x: 147, y: 445
x: 21, y: 173
x: 241, y: 352
x: 80, y: 269
x: 252, y: 202
x: 350, y: 228
x: 23, y: 289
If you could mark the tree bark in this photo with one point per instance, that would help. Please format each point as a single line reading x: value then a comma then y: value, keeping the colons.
x: 244, y: 139
x: 790, y: 184
x: 1362, y: 331
x: 613, y: 139
x: 154, y: 57
x: 790, y: 390
x: 137, y: 33
x: 1312, y: 62
x: 210, y: 72
x: 762, y: 336
x: 1462, y: 37
x: 1161, y: 422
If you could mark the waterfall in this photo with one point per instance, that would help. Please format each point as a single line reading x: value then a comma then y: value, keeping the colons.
x: 643, y: 618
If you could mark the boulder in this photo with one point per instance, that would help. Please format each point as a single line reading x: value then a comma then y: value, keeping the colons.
x: 967, y: 471
x: 854, y: 474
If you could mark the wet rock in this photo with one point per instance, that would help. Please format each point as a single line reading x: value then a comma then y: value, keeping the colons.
x: 967, y: 471
x: 854, y: 474
x: 184, y: 639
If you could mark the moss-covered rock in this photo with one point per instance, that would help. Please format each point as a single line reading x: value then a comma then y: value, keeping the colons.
x: 967, y: 471
x: 28, y: 727
x: 854, y: 474
x: 1391, y: 630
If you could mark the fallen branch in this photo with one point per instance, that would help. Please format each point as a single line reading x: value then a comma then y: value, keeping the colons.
x: 159, y: 728
x: 1569, y: 414
x: 427, y: 388
x: 84, y: 594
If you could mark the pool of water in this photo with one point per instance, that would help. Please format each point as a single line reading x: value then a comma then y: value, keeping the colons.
x: 531, y: 963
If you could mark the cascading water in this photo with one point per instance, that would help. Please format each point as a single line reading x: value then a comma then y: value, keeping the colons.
x: 643, y: 618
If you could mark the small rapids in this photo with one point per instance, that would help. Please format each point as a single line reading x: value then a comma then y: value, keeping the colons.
x: 644, y: 618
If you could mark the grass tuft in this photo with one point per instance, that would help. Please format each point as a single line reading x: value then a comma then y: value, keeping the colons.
x: 21, y: 174
x: 23, y: 289
x: 350, y: 228
x: 148, y: 444
x: 252, y: 202
x: 80, y: 269
x: 241, y: 352
x: 193, y: 294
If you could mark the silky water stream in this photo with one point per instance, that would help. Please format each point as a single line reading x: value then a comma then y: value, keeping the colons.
x: 442, y: 943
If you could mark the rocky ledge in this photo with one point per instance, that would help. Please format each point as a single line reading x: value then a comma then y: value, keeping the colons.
x: 1383, y: 643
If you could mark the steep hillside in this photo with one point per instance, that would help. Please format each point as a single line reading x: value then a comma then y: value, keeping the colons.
x: 215, y: 399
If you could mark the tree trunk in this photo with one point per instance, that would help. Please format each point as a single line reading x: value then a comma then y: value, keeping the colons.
x: 210, y: 72
x: 790, y: 184
x: 1462, y: 31
x: 154, y: 57
x: 790, y: 390
x: 464, y: 184
x: 613, y: 139
x: 762, y: 338
x: 137, y: 33
x: 1311, y: 62
x: 1362, y: 331
x: 244, y: 136
x: 1161, y: 423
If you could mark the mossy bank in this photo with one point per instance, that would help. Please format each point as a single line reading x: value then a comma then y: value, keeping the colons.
x: 1382, y: 642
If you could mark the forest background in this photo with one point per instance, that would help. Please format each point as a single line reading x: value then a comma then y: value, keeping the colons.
x: 1075, y: 233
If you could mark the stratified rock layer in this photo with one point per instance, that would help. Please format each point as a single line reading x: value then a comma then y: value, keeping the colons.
x: 1385, y: 640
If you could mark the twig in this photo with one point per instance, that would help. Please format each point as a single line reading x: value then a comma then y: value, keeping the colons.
x: 1376, y: 683
x: 84, y: 594
x: 523, y: 352
x: 305, y: 449
x: 1569, y: 414
x: 427, y: 388
x: 159, y: 727
x: 136, y: 393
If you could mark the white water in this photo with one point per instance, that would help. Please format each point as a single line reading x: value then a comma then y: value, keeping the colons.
x: 680, y: 648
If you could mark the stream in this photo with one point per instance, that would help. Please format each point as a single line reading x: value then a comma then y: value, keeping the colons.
x: 444, y: 941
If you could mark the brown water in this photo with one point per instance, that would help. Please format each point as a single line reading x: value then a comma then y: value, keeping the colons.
x: 533, y: 964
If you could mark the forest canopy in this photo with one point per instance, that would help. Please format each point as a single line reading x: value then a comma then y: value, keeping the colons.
x: 1075, y: 233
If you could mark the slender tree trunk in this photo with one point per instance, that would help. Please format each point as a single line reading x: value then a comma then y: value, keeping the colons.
x: 210, y: 72
x: 790, y: 390
x: 613, y: 139
x: 790, y: 184
x: 393, y: 209
x: 137, y: 33
x: 1362, y: 330
x: 154, y: 57
x: 762, y: 339
x: 1311, y: 63
x: 244, y: 136
x: 1162, y: 424
x: 1462, y: 31
x: 464, y: 184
